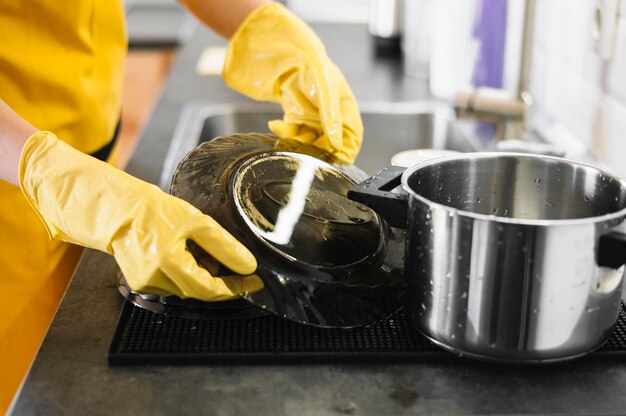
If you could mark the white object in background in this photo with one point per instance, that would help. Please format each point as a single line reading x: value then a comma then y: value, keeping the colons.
x: 452, y: 51
x: 616, y: 82
x: 412, y: 157
x: 417, y: 31
x: 604, y: 31
x: 554, y: 132
x: 525, y: 146
x: 513, y: 45
x: 384, y: 18
x: 211, y: 61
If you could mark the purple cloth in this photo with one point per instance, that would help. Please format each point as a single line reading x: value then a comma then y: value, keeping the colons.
x: 490, y: 31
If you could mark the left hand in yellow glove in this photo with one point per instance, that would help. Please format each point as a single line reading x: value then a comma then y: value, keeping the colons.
x: 88, y: 202
x: 275, y: 56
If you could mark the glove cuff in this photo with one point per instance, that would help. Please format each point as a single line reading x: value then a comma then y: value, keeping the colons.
x: 50, y: 173
x: 38, y: 143
x: 284, y: 22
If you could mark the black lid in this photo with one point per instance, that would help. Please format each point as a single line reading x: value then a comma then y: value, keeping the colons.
x: 297, y: 204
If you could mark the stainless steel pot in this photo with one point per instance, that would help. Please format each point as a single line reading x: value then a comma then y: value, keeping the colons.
x: 509, y: 257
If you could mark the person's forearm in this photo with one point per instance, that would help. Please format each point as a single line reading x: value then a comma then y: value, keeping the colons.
x: 223, y: 16
x: 14, y: 131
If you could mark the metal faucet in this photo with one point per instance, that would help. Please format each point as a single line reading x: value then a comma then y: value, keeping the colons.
x: 504, y: 108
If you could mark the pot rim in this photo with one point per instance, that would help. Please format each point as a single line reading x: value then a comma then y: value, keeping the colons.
x: 509, y: 220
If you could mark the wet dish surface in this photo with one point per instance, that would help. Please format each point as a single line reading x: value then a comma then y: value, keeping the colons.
x: 323, y: 259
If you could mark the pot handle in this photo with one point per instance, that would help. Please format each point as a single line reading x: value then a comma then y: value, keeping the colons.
x: 375, y: 192
x: 611, y: 250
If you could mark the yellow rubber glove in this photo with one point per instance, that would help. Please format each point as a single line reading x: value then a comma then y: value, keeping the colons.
x: 88, y: 202
x: 274, y: 56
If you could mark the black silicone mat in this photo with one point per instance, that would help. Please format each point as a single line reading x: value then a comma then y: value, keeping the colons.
x: 144, y: 337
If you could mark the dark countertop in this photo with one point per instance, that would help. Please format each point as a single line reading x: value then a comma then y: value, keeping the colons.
x: 70, y: 374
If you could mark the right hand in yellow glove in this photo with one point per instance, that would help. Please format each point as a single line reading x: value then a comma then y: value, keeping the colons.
x: 88, y: 202
x: 275, y: 56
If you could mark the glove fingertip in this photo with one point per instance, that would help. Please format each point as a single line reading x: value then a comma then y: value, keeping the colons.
x: 245, y: 265
x: 242, y: 284
x: 334, y: 133
x: 283, y: 128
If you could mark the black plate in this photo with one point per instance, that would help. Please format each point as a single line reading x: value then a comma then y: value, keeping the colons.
x: 189, y: 308
x: 324, y: 260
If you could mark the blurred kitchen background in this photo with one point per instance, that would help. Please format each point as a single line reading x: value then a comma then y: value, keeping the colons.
x: 539, y: 71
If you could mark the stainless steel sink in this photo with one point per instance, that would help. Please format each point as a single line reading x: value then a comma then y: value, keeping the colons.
x: 389, y: 129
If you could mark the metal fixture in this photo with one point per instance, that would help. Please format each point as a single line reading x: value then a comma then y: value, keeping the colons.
x: 413, y: 125
x: 498, y: 105
x: 604, y: 30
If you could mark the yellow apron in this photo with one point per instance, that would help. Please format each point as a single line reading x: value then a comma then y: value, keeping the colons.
x: 61, y: 68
